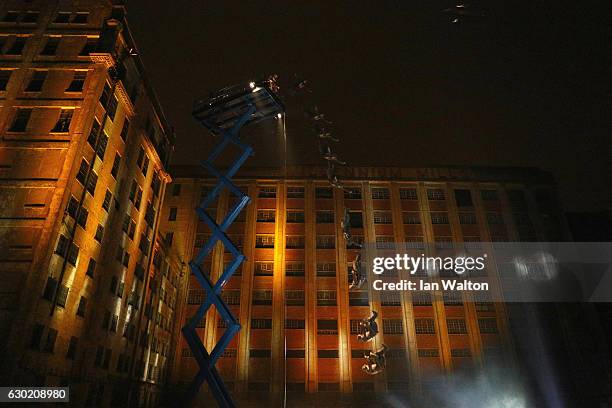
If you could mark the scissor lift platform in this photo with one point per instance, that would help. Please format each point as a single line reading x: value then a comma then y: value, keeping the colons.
x: 224, y: 108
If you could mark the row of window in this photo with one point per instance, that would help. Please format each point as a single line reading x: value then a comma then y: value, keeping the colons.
x: 31, y: 16
x: 39, y: 77
x: 462, y: 196
x: 15, y: 45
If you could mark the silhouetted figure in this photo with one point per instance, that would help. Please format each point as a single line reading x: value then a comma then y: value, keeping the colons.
x: 368, y: 328
x: 375, y: 361
x: 357, y: 276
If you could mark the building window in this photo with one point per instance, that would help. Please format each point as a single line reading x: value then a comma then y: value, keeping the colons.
x: 456, y: 326
x: 463, y: 198
x: 352, y: 193
x: 428, y: 353
x: 91, y: 267
x: 435, y: 194
x: 356, y: 219
x: 327, y: 354
x: 264, y: 268
x: 37, y: 81
x: 487, y: 325
x: 82, y: 307
x: 452, y: 298
x: 325, y: 217
x: 30, y: 17
x: 467, y: 218
x: 264, y: 241
x: 326, y: 241
x: 295, y: 192
x: 172, y: 215
x: 262, y: 297
x: 294, y: 297
x: 50, y: 342
x: 196, y: 296
x: 327, y: 326
x: 295, y: 353
x: 10, y: 17
x: 259, y: 353
x: 390, y: 298
x: 489, y: 195
x: 261, y: 324
x: 495, y: 218
x: 393, y: 326
x: 295, y: 324
x: 99, y: 233
x: 64, y: 249
x: 439, y: 218
x: 37, y: 333
x: 111, y: 110
x: 424, y: 326
x: 411, y: 217
x: 380, y: 193
x: 231, y: 297
x: 294, y: 268
x: 176, y: 190
x: 323, y: 192
x: 102, y: 143
x: 108, y: 197
x: 51, y: 46
x: 169, y: 238
x: 408, y: 194
x: 80, y: 18
x: 295, y: 242
x: 421, y: 299
x: 267, y: 192
x: 463, y: 352
x: 385, y: 242
x: 326, y: 269
x: 5, y: 77
x: 295, y: 216
x: 20, y: 123
x: 326, y: 298
x: 78, y: 80
x: 82, y: 220
x: 91, y: 45
x: 358, y: 298
x: 266, y: 215
x: 50, y: 288
x: 17, y: 47
x: 383, y: 217
x: 62, y: 17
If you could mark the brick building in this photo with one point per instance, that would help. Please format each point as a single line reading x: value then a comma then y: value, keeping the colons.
x: 298, y: 316
x: 83, y: 158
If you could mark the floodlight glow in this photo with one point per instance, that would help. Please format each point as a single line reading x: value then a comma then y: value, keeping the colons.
x: 252, y: 85
x: 279, y: 115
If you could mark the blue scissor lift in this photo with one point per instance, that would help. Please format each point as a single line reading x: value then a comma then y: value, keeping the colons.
x: 224, y: 114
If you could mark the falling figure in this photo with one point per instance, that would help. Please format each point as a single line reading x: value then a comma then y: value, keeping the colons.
x: 368, y: 328
x: 331, y: 156
x: 357, y: 276
x: 273, y: 83
x: 346, y: 225
x: 333, y: 178
x: 317, y: 116
x: 375, y: 361
x: 323, y: 133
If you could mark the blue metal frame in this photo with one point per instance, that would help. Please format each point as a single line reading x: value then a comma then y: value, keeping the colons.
x: 206, y: 361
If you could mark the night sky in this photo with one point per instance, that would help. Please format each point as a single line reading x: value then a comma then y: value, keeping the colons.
x: 527, y: 85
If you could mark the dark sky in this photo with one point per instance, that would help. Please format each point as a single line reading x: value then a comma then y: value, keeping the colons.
x: 528, y: 85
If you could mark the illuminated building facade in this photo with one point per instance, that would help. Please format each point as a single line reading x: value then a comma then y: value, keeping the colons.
x: 299, y: 318
x: 88, y: 293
